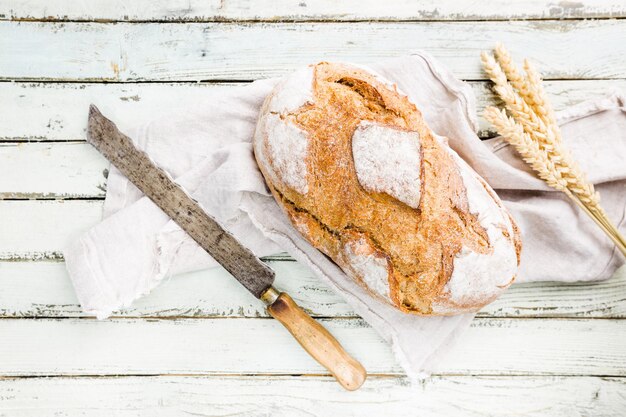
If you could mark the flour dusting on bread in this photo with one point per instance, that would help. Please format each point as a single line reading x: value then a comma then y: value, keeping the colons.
x: 286, y: 149
x: 477, y: 277
x: 388, y: 160
x: 293, y: 92
x: 368, y: 266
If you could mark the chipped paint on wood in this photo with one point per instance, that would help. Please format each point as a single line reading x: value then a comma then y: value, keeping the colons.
x: 314, y: 396
x: 43, y: 289
x: 570, y: 49
x: 320, y: 10
x: 31, y: 106
x: 37, y: 228
x: 190, y: 346
x: 34, y: 170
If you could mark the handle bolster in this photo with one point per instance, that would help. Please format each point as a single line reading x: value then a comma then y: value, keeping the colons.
x: 269, y: 296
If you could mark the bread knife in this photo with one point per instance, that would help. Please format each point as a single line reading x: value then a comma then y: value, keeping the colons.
x: 250, y: 271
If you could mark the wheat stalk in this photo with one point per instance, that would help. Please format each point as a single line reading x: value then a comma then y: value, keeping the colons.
x: 531, y: 111
x: 532, y: 129
x: 538, y: 160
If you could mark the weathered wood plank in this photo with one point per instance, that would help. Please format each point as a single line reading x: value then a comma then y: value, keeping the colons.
x: 43, y: 289
x: 312, y: 396
x: 58, y: 111
x: 295, y: 10
x: 199, y: 51
x: 40, y: 170
x: 248, y: 346
x: 39, y: 229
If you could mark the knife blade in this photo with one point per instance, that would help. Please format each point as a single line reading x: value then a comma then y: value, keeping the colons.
x: 242, y: 264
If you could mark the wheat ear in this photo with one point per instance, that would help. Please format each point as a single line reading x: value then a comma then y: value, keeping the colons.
x: 535, y: 114
x: 517, y: 80
x: 535, y: 134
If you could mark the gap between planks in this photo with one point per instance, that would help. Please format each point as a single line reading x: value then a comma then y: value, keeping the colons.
x: 290, y: 376
x: 141, y: 11
x: 295, y: 20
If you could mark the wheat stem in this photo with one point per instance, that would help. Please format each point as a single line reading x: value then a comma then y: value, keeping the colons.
x: 604, y: 223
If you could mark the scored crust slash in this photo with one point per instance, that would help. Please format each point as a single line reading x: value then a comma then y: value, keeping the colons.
x: 359, y: 173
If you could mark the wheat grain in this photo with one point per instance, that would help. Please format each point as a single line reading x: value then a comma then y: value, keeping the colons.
x: 540, y: 105
x: 511, y: 72
x: 513, y: 102
x: 546, y: 169
x: 528, y: 148
x: 577, y: 180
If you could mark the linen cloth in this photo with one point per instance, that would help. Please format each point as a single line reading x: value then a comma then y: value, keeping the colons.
x: 207, y: 148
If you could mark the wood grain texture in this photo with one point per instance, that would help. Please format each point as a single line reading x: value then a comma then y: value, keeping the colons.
x: 296, y: 10
x: 318, y: 342
x: 261, y: 346
x: 43, y: 289
x: 58, y: 111
x: 211, y: 51
x: 41, y: 170
x: 41, y: 229
x: 312, y: 397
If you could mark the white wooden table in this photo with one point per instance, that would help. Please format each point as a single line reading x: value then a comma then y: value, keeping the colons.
x: 199, y: 344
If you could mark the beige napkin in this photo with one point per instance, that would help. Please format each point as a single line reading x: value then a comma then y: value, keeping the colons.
x: 206, y: 146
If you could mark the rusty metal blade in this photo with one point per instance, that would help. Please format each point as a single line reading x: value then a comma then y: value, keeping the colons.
x: 177, y: 204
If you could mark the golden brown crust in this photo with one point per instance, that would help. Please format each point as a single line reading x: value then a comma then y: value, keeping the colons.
x: 420, y: 244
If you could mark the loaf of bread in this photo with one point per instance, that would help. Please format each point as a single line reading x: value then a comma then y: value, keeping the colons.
x: 362, y: 177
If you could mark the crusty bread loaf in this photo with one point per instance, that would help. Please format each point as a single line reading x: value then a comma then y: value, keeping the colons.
x: 364, y: 180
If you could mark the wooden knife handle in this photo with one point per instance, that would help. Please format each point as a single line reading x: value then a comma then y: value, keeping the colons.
x: 318, y: 342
